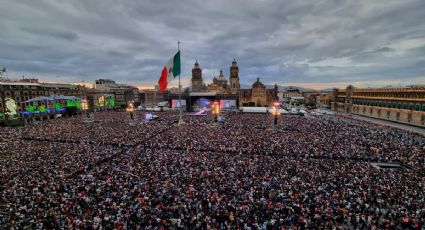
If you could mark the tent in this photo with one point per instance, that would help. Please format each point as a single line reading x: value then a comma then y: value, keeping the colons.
x: 254, y: 109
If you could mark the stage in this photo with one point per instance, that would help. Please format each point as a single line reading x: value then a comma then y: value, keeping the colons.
x: 199, y: 101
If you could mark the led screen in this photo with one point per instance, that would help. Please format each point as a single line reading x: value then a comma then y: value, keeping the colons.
x: 201, y: 104
x: 175, y: 104
x: 227, y: 104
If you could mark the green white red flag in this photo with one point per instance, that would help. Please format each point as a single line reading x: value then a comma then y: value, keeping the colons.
x: 170, y: 71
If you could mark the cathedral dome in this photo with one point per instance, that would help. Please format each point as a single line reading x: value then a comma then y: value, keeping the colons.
x: 221, y: 77
x: 234, y: 63
x: 258, y: 84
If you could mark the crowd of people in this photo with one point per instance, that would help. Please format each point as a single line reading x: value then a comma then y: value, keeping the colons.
x: 107, y: 128
x: 330, y: 138
x: 236, y: 174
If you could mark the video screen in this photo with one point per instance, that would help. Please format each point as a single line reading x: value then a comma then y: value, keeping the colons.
x: 201, y: 104
x: 148, y: 116
x: 227, y: 104
x: 175, y: 104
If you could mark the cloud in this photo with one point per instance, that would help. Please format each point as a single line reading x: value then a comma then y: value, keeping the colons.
x: 303, y: 42
x: 51, y: 32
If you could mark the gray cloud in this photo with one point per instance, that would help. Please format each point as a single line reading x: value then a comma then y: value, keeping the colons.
x: 52, y: 32
x: 279, y: 41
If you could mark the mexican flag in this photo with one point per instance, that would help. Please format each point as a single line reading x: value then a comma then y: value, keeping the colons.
x: 169, y: 72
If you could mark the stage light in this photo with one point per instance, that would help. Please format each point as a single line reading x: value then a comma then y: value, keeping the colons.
x: 215, y: 109
x: 275, y: 114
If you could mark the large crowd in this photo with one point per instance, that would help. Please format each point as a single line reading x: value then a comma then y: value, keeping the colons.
x: 307, y: 173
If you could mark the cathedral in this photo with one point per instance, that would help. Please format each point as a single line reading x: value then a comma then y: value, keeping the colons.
x: 226, y: 91
x: 220, y: 84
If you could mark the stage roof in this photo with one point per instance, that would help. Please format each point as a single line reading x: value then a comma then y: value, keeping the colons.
x: 19, y: 83
x: 203, y: 94
x: 52, y: 98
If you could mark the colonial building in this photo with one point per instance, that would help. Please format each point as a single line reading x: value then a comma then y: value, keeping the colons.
x: 201, y: 95
x: 324, y: 100
x: 123, y: 93
x: 289, y: 94
x: 220, y: 84
x: 152, y: 97
x: 258, y: 95
x: 224, y: 90
x: 234, y: 78
x: 404, y: 105
x: 197, y: 82
x: 23, y: 90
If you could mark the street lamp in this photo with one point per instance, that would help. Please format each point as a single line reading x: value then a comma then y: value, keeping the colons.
x: 275, y: 114
x: 215, y: 110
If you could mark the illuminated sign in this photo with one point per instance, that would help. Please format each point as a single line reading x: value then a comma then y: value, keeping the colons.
x: 110, y: 101
x: 175, y: 104
x: 227, y: 104
x: 10, y: 107
x: 101, y: 101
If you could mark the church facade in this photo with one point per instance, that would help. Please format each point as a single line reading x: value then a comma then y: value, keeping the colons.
x: 220, y: 84
x: 257, y: 95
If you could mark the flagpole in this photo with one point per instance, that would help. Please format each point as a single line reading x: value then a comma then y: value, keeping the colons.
x: 180, y: 93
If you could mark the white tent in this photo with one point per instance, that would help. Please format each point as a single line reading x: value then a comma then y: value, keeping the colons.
x: 254, y: 109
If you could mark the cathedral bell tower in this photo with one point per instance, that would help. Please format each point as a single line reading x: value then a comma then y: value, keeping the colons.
x: 197, y: 82
x: 234, y: 77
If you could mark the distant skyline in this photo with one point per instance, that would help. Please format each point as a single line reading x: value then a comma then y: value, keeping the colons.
x: 312, y: 44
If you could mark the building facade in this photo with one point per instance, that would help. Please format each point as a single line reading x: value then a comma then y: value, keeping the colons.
x: 23, y: 90
x: 403, y: 105
x: 123, y: 93
x: 259, y: 95
x: 230, y: 89
x: 220, y: 84
x: 197, y: 81
x: 289, y: 94
x: 152, y: 97
x: 324, y: 100
x: 234, y: 78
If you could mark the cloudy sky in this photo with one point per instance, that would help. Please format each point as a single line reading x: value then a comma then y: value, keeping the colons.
x: 317, y: 44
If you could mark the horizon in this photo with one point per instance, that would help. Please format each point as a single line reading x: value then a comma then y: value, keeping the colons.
x: 186, y: 83
x: 312, y: 45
